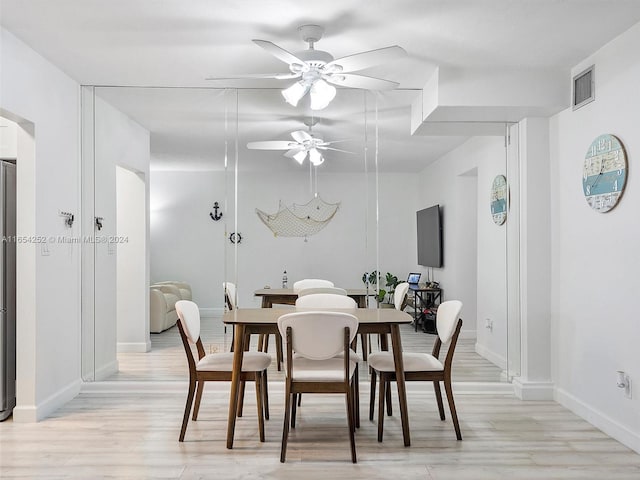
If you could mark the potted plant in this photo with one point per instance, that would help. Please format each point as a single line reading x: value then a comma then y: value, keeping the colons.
x: 384, y: 297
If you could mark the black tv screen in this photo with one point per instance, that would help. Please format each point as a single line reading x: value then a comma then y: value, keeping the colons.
x: 429, y: 237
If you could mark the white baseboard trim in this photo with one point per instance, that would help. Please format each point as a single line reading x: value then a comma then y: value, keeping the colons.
x: 35, y: 413
x: 106, y: 370
x: 129, y: 347
x: 490, y: 355
x: 468, y: 334
x: 526, y: 390
x: 598, y: 419
x: 211, y: 312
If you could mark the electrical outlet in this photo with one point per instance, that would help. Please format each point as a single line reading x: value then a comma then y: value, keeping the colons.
x: 627, y: 389
x: 44, y: 249
x: 488, y: 324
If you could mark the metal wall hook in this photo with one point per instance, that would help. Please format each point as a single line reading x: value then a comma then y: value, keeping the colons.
x: 68, y: 220
x: 99, y: 223
x: 215, y: 216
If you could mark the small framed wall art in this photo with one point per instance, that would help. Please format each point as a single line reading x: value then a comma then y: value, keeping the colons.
x: 604, y: 173
x: 499, y: 199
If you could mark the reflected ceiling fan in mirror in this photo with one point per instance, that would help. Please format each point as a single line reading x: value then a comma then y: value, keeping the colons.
x: 304, y: 144
x: 318, y: 71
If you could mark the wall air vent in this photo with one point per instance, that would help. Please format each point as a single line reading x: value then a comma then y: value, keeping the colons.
x: 584, y: 88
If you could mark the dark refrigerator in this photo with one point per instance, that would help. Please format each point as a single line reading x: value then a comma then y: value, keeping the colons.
x: 7, y: 289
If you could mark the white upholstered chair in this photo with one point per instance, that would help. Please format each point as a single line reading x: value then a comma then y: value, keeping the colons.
x: 314, y: 290
x: 317, y: 338
x: 311, y: 283
x: 327, y: 301
x: 421, y: 366
x: 216, y: 367
x: 400, y: 295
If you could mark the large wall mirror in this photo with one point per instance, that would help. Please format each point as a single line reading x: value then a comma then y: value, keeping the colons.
x: 172, y: 194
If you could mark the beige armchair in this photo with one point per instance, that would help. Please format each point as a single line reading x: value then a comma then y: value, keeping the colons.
x: 162, y: 304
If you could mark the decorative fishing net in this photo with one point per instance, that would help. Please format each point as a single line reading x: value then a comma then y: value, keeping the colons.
x: 299, y: 220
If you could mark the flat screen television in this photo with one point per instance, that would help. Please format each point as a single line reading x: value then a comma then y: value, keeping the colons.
x: 429, y: 237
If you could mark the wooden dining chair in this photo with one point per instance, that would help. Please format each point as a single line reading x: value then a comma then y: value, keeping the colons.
x: 421, y: 367
x: 217, y: 367
x: 311, y: 283
x: 317, y: 338
x: 325, y: 301
x: 314, y: 290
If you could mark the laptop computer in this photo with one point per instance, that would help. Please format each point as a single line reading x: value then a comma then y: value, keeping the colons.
x: 414, y: 278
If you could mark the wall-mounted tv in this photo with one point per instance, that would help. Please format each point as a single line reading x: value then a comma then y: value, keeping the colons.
x: 429, y: 237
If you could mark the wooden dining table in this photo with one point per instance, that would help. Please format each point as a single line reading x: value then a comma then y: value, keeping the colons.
x: 286, y: 296
x: 248, y: 321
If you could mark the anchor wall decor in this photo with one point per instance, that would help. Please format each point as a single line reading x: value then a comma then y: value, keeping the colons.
x: 215, y: 216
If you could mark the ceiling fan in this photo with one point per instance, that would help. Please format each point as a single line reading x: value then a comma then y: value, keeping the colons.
x: 304, y: 144
x: 318, y: 70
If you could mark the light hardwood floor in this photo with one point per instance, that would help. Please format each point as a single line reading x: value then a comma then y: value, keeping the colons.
x: 135, y: 436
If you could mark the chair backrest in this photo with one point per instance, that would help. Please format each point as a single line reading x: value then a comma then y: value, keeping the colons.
x: 230, y: 295
x: 311, y: 283
x: 447, y: 318
x: 399, y: 294
x: 318, y: 335
x: 325, y: 300
x: 189, y: 317
x: 312, y: 291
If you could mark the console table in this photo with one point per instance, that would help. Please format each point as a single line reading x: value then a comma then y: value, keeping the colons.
x: 423, y: 297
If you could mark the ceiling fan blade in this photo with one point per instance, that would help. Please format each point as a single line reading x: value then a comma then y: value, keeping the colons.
x: 278, y: 76
x: 335, y: 149
x: 270, y: 145
x: 352, y: 80
x: 279, y: 52
x: 360, y: 61
x: 337, y: 141
x: 293, y: 152
x: 301, y: 136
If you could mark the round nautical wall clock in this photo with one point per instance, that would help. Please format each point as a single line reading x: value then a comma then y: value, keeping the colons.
x: 499, y: 199
x: 604, y: 173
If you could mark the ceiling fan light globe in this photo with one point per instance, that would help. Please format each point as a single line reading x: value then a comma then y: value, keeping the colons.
x: 295, y: 92
x: 315, y: 157
x: 300, y: 156
x: 321, y: 94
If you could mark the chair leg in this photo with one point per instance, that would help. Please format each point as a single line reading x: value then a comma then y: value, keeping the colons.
x: 279, y: 354
x: 187, y: 408
x: 388, y: 393
x: 294, y: 410
x: 285, y: 427
x: 299, y: 399
x: 261, y: 342
x: 350, y: 420
x: 260, y: 406
x: 438, y: 392
x: 452, y: 406
x: 356, y: 397
x: 265, y: 394
x: 365, y: 345
x: 372, y: 394
x: 241, y: 399
x: 196, y: 407
x: 381, y: 398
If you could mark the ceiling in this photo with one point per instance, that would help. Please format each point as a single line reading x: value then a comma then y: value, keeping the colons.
x: 179, y: 43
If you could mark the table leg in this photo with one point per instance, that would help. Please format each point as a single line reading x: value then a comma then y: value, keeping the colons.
x: 396, y: 344
x: 238, y: 353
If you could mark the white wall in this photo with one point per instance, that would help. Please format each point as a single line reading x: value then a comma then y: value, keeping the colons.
x: 595, y: 260
x: 187, y: 245
x: 460, y: 182
x: 132, y: 279
x: 44, y: 101
x: 119, y: 141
